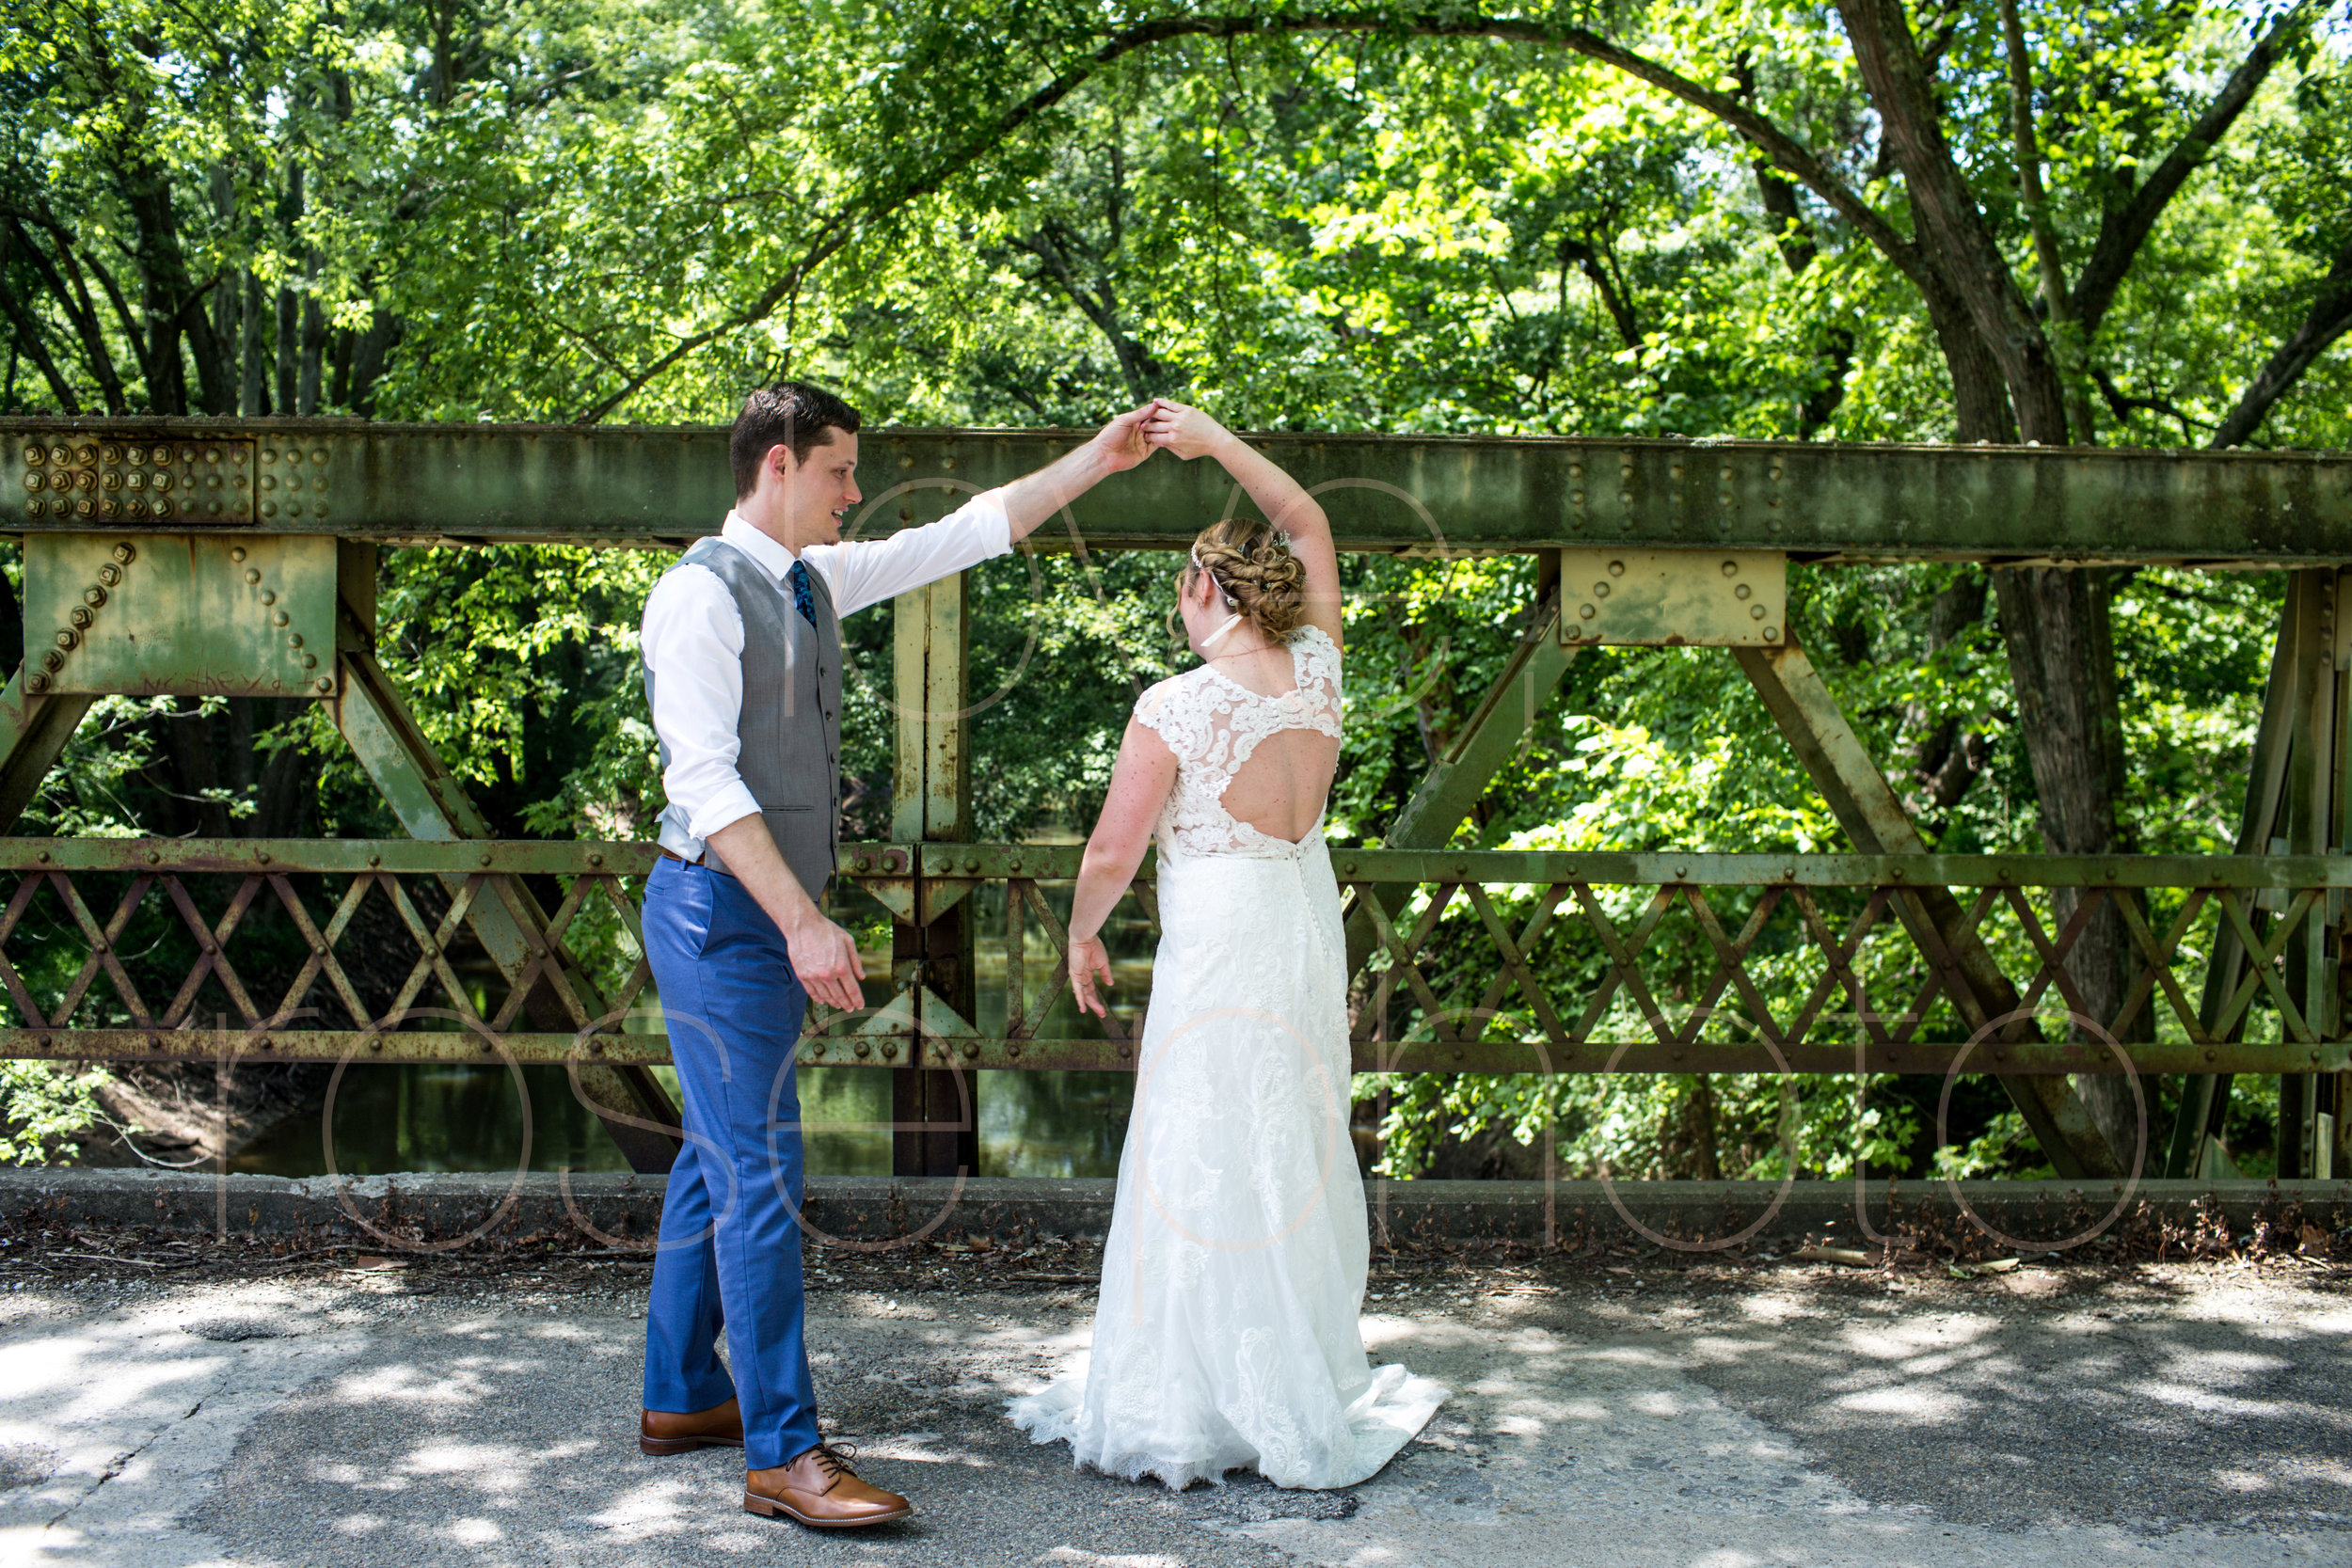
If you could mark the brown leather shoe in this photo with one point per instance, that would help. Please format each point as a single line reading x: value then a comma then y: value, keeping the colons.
x: 818, y: 1488
x: 666, y: 1431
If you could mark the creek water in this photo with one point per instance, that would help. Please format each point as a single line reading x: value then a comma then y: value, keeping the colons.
x: 386, y: 1117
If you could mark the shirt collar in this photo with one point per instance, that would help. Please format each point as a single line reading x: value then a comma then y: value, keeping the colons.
x: 774, y: 558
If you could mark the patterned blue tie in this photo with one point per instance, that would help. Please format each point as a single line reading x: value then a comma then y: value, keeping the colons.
x: 800, y: 591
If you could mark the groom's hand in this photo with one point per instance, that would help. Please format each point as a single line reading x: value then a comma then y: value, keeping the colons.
x: 824, y: 956
x: 1119, y: 445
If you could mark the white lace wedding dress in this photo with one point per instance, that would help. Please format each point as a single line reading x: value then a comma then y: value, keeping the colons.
x: 1225, y: 1334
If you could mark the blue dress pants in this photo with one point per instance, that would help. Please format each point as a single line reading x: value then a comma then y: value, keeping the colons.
x: 730, y: 1253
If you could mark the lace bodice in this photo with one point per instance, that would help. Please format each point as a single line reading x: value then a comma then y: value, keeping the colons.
x: 1213, y: 723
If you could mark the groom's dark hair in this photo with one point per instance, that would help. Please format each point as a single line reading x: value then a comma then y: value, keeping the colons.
x: 789, y: 414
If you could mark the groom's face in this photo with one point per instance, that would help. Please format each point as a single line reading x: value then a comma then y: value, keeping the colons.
x: 821, y: 489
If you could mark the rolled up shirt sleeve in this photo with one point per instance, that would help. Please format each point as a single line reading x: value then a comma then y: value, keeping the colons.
x: 864, y: 572
x: 694, y: 644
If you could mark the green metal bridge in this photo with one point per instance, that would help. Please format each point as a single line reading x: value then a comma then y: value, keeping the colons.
x: 238, y: 557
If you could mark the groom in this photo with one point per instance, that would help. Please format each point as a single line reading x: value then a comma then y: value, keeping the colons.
x: 742, y: 658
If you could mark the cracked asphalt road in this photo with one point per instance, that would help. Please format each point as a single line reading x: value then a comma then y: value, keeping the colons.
x: 1746, y: 1417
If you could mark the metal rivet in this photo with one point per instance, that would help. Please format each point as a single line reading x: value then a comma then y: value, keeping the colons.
x: 1756, y: 613
x: 154, y: 859
x: 1731, y: 569
x: 485, y: 857
x: 375, y: 860
x: 326, y: 685
x: 1772, y: 634
x: 237, y: 554
x: 262, y: 855
x: 863, y: 1049
x: 294, y: 639
x: 269, y: 595
x: 269, y: 509
x: 971, y: 1050
x: 309, y: 662
x: 1742, y: 591
x: 595, y: 860
x: 279, y: 618
x: 1616, y: 568
x: 252, y: 574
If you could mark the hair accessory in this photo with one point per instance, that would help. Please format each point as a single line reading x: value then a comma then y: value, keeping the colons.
x: 1200, y: 565
x: 1282, y: 539
x: 1219, y: 635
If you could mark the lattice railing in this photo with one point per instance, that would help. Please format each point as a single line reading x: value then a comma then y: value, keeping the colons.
x: 1481, y: 962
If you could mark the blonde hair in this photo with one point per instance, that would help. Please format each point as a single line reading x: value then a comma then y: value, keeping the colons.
x: 1254, y: 571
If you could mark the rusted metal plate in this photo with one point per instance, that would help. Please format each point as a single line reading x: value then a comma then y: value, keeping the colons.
x: 1657, y: 598
x: 148, y: 479
x: 647, y: 486
x: 192, y: 614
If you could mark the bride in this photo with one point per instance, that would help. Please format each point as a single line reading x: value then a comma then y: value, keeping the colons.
x: 1225, y: 1334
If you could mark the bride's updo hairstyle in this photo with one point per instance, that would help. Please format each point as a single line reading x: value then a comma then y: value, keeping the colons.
x: 1255, y: 573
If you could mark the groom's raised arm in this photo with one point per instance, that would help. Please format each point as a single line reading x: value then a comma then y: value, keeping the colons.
x: 862, y: 572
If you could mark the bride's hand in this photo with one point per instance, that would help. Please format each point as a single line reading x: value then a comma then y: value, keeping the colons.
x: 1186, y: 432
x: 1088, y: 958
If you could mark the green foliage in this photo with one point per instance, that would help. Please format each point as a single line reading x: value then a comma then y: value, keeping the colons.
x: 984, y: 213
x: 43, y: 1106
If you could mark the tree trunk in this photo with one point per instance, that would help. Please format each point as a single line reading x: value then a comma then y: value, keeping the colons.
x: 313, y: 349
x: 249, y: 384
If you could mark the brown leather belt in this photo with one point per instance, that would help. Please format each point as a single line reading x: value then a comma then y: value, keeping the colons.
x: 703, y: 859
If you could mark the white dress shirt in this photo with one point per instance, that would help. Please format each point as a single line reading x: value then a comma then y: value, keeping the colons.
x: 693, y: 643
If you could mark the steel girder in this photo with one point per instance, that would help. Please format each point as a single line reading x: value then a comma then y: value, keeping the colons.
x: 648, y: 486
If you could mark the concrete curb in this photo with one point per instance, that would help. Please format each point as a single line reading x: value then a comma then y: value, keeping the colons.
x: 444, y: 1211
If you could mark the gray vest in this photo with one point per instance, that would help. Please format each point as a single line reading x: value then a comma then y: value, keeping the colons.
x: 790, y: 727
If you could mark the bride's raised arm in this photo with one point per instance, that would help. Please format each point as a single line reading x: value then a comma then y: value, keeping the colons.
x: 1189, y: 434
